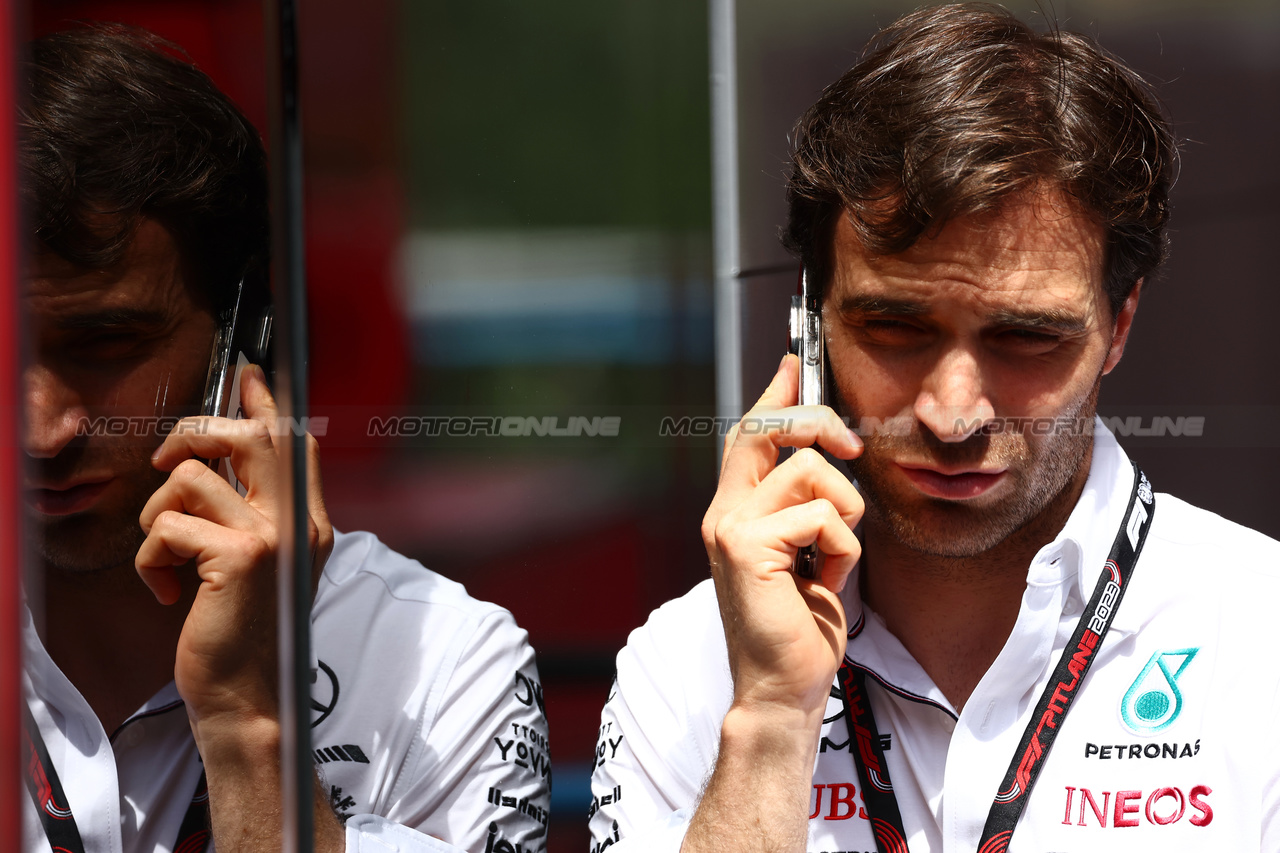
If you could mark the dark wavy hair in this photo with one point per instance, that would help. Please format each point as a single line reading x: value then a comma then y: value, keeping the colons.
x: 954, y: 109
x: 113, y: 127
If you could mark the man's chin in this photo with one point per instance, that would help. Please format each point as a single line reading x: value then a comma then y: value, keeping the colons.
x: 85, y: 543
x: 950, y: 529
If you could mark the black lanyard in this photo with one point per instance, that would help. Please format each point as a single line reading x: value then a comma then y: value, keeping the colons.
x: 1050, y: 711
x: 55, y: 812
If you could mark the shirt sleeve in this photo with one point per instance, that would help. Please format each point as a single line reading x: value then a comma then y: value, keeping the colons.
x: 485, y: 774
x: 660, y: 728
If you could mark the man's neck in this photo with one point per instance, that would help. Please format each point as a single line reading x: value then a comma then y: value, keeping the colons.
x: 110, y: 637
x: 955, y: 614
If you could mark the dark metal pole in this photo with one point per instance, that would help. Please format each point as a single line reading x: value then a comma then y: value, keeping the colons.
x: 289, y: 279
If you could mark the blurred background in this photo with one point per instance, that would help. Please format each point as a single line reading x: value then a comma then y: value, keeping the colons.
x: 509, y: 215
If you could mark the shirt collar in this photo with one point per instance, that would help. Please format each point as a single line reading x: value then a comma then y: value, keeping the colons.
x: 51, y: 687
x: 1082, y: 547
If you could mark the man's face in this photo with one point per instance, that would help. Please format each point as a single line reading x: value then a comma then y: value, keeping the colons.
x: 108, y: 346
x: 993, y: 319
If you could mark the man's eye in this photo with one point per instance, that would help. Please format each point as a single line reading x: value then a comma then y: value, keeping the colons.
x: 109, y: 345
x: 889, y: 331
x: 1029, y: 341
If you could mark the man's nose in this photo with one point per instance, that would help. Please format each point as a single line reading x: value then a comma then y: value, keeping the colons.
x: 952, y: 402
x: 51, y: 411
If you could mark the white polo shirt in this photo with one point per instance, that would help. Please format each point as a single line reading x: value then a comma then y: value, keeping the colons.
x: 427, y: 713
x: 1171, y: 744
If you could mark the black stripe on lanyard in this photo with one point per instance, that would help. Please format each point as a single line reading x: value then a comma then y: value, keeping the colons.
x: 55, y: 811
x: 46, y: 792
x: 1050, y: 711
x: 868, y: 758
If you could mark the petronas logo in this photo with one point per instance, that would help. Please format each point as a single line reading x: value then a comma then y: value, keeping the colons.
x: 1153, y: 701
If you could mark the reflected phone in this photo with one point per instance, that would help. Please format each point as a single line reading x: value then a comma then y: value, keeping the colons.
x: 806, y: 341
x: 243, y: 338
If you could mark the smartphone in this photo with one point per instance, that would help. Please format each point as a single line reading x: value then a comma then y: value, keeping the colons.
x: 806, y: 341
x: 243, y: 338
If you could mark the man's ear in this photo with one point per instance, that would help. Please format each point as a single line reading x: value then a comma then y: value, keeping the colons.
x: 1124, y: 322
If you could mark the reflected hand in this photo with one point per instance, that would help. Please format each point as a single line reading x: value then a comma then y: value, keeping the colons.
x: 226, y: 663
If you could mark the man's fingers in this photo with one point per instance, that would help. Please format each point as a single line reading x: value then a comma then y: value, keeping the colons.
x: 176, y: 538
x: 800, y: 426
x: 323, y: 529
x: 783, y: 391
x: 155, y: 562
x: 754, y: 454
x: 258, y: 402
x: 784, y: 388
x: 804, y: 477
x: 252, y: 447
x: 200, y: 435
x: 196, y: 489
x: 247, y: 442
x: 775, y: 539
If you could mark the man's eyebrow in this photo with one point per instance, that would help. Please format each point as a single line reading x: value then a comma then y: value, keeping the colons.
x: 867, y: 304
x: 116, y: 317
x: 1062, y: 322
x: 1065, y: 322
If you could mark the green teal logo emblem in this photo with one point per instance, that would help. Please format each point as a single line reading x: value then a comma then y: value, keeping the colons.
x: 1153, y: 701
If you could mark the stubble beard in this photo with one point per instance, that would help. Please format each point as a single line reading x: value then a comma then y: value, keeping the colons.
x: 106, y: 537
x: 1042, y: 473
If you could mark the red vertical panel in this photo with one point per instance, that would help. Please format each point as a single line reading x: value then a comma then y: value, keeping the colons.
x: 10, y: 524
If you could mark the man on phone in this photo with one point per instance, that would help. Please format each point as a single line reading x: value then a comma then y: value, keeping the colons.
x: 1010, y: 638
x: 150, y: 642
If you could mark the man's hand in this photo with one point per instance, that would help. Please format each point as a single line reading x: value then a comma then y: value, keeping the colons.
x: 226, y: 667
x: 226, y: 662
x: 785, y: 635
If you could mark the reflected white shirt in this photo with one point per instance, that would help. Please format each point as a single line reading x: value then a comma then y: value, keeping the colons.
x: 428, y: 721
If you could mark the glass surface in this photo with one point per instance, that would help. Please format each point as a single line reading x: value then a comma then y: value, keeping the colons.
x: 507, y: 223
x: 117, y: 358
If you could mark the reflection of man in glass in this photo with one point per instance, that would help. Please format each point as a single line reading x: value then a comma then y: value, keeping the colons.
x: 1015, y: 638
x: 145, y: 190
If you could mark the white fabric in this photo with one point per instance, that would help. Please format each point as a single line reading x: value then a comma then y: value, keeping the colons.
x: 1202, y: 583
x: 437, y: 692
